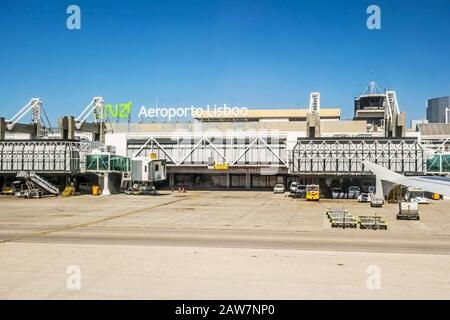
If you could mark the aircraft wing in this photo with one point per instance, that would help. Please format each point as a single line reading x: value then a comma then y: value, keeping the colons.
x: 439, y: 185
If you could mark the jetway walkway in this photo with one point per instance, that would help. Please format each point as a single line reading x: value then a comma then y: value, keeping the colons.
x: 234, y: 148
x: 45, y: 156
x: 345, y: 156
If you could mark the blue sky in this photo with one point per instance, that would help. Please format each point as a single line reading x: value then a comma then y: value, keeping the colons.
x: 258, y: 54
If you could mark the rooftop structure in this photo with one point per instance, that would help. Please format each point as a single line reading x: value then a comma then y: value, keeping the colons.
x: 262, y: 115
x: 436, y: 130
x: 329, y: 127
x: 370, y: 105
x: 415, y: 124
x: 381, y: 109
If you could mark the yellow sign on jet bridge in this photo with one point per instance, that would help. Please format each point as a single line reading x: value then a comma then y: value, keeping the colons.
x: 220, y: 165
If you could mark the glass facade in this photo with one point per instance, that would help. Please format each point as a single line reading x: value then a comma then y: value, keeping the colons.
x: 438, y: 110
x: 266, y: 181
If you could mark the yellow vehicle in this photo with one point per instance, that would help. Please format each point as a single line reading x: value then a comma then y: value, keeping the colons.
x: 8, y: 189
x: 312, y: 192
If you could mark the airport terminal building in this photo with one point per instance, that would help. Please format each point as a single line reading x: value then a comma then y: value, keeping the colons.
x: 254, y: 150
x: 254, y: 147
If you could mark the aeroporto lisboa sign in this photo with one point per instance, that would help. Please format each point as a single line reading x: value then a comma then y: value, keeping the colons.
x: 122, y: 111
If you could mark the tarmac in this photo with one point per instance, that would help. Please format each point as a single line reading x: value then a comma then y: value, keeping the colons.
x: 217, y: 245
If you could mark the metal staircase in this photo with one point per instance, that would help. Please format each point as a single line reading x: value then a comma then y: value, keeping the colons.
x: 33, y: 179
x: 44, y: 184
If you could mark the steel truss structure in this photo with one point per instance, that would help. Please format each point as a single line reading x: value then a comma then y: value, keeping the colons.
x: 45, y: 156
x: 332, y: 156
x: 235, y: 150
x: 343, y: 156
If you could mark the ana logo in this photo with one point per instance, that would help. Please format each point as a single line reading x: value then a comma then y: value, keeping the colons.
x: 374, y: 20
x: 73, y: 21
x: 119, y: 111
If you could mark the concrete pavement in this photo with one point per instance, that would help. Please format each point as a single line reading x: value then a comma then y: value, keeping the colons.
x: 39, y: 271
x: 230, y: 245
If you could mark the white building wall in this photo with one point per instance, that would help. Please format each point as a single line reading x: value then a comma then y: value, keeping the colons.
x: 118, y: 141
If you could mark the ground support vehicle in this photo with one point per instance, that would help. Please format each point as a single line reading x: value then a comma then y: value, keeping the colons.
x: 278, y: 188
x: 145, y: 172
x: 372, y: 222
x: 29, y: 190
x: 312, y: 192
x: 364, y: 197
x: 10, y: 188
x: 300, y: 191
x: 293, y: 187
x: 408, y: 210
x: 376, y: 201
x: 416, y: 195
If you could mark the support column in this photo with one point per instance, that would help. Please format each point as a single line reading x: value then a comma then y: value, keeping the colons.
x: 2, y: 128
x: 400, y: 125
x: 105, y: 191
x: 39, y: 131
x: 63, y: 125
x: 313, y: 125
x: 248, y: 181
x: 171, y: 180
x: 71, y: 128
x: 102, y: 131
x: 228, y: 181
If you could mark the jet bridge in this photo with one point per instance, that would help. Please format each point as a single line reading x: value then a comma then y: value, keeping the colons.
x: 45, y: 156
x: 345, y: 156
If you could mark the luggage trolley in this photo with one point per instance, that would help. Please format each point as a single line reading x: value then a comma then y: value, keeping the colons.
x: 340, y: 218
x: 372, y: 222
